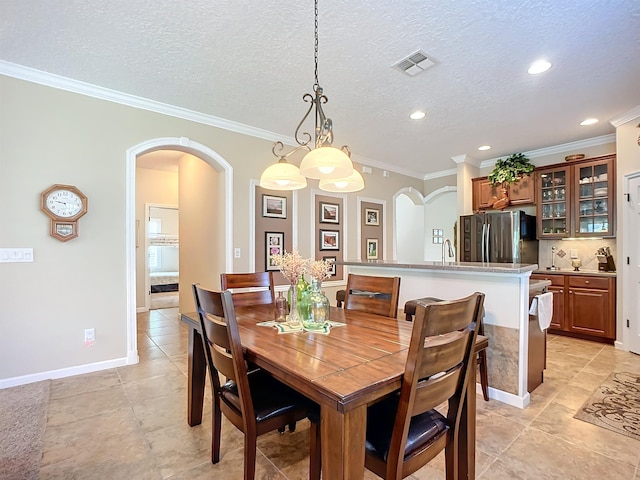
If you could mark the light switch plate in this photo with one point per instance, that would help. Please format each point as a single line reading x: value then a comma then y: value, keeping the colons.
x: 573, y: 252
x: 16, y: 255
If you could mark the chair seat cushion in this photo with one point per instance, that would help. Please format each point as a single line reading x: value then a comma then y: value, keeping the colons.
x: 423, y: 429
x: 410, y: 306
x: 270, y: 397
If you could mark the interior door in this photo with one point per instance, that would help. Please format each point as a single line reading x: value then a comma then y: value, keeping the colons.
x: 632, y: 251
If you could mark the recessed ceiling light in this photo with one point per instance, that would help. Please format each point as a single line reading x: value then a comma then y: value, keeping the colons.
x: 484, y: 147
x: 589, y: 121
x: 417, y: 115
x: 539, y: 67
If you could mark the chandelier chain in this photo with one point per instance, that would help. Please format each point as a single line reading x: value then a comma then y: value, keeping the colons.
x: 315, y: 52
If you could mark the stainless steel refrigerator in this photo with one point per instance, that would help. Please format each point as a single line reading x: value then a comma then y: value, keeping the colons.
x: 498, y: 237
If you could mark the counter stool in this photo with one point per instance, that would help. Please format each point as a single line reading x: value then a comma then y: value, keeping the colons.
x: 410, y: 311
x: 340, y: 294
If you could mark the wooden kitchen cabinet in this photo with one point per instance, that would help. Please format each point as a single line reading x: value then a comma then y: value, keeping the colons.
x: 522, y: 192
x: 577, y: 199
x: 583, y: 305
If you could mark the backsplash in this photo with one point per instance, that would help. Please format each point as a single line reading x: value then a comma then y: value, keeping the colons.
x: 586, y: 250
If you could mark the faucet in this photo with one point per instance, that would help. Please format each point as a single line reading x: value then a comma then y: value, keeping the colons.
x: 449, y: 251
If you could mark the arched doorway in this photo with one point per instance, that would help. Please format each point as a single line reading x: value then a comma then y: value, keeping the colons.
x: 223, y: 216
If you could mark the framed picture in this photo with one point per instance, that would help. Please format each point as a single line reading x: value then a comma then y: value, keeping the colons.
x: 371, y: 216
x: 274, y: 207
x: 333, y: 264
x: 274, y: 245
x: 329, y: 213
x: 329, y: 240
x: 372, y: 248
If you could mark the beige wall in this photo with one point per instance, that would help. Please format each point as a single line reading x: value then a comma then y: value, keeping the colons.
x: 52, y: 136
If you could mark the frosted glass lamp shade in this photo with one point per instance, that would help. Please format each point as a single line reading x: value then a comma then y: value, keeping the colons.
x: 326, y: 162
x: 282, y: 176
x: 352, y: 183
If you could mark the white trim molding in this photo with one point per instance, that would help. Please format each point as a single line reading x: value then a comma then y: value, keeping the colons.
x: 206, y: 154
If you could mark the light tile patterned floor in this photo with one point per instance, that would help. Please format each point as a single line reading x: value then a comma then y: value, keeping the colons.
x: 130, y: 423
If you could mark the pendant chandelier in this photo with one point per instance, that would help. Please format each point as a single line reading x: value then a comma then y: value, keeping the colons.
x: 324, y: 162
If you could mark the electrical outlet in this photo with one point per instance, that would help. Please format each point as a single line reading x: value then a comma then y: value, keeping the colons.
x: 236, y: 253
x: 89, y: 336
x: 573, y: 252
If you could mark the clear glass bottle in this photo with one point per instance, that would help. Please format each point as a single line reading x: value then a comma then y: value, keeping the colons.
x: 316, y: 306
x: 281, y: 308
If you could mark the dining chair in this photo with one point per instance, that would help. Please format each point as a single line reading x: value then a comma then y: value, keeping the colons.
x: 378, y: 295
x: 249, y: 288
x: 255, y: 402
x: 405, y: 431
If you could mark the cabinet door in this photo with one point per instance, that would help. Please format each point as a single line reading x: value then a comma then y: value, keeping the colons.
x: 523, y: 191
x: 557, y: 322
x: 589, y: 312
x: 593, y: 206
x: 484, y: 194
x: 554, y: 202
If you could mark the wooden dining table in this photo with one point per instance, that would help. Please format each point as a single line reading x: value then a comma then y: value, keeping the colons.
x: 354, y: 365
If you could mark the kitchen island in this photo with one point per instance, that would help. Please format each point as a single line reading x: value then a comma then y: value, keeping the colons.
x: 506, y: 322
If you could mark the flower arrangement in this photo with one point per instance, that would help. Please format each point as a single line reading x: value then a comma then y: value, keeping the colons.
x: 320, y: 269
x: 291, y: 264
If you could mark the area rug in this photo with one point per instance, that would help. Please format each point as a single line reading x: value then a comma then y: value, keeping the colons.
x: 23, y: 418
x: 615, y: 405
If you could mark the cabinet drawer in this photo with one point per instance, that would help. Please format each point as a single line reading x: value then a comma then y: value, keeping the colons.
x: 588, y: 282
x: 557, y: 280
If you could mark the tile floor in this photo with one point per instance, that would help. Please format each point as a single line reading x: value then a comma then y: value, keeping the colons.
x: 130, y: 423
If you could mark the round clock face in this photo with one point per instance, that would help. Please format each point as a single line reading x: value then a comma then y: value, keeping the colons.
x: 63, y: 203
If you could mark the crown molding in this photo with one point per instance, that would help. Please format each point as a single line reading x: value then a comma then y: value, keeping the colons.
x: 626, y: 117
x: 562, y: 148
x: 75, y: 86
x: 101, y: 93
x: 465, y: 158
x: 441, y: 173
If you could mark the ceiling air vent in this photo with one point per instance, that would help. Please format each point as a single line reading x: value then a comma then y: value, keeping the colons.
x: 414, y: 64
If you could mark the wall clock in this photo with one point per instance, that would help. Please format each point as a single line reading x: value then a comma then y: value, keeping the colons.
x: 64, y: 205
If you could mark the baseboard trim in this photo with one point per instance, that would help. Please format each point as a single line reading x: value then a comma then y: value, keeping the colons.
x: 505, y: 397
x: 64, y: 372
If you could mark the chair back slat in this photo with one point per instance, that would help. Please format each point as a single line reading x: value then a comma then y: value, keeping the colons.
x: 377, y: 295
x: 249, y: 288
x: 433, y: 392
x: 442, y: 352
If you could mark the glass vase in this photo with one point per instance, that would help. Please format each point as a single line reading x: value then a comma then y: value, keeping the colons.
x: 293, y: 319
x: 316, y: 306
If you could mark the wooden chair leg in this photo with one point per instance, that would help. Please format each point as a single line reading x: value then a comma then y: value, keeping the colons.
x: 250, y: 449
x: 216, y: 427
x: 484, y: 375
x: 315, y: 460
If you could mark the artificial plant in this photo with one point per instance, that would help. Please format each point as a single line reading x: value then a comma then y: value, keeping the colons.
x: 510, y: 170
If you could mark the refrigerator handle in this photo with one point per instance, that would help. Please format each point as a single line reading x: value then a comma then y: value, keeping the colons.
x: 487, y: 242
x: 484, y: 227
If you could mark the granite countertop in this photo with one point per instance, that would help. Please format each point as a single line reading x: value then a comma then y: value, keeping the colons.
x: 571, y: 271
x: 512, y: 268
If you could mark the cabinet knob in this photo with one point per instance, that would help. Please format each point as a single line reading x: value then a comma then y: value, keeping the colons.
x: 570, y: 291
x: 586, y: 281
x: 561, y: 291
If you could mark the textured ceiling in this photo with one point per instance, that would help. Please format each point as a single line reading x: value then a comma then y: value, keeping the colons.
x: 252, y: 63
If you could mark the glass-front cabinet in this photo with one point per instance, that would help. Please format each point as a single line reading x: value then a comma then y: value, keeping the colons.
x: 576, y: 199
x: 555, y: 185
